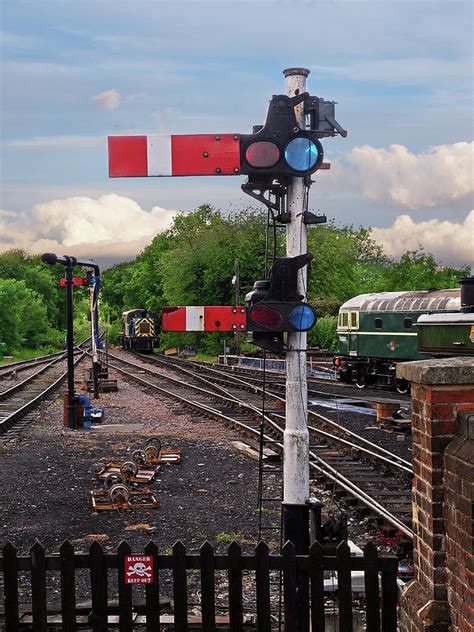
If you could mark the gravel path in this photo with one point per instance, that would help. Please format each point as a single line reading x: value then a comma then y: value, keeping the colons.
x: 48, y: 472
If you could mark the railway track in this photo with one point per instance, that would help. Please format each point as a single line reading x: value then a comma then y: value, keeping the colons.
x: 10, y: 371
x: 19, y: 400
x: 374, y: 477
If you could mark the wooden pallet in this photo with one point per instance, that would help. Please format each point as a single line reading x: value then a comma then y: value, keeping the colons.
x: 139, y: 499
x: 144, y: 475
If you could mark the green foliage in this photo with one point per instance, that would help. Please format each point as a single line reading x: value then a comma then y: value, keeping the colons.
x: 346, y: 262
x: 193, y: 263
x: 113, y: 331
x: 227, y: 538
x: 323, y: 335
x: 39, y: 277
x: 417, y: 270
x: 24, y: 317
x: 32, y: 303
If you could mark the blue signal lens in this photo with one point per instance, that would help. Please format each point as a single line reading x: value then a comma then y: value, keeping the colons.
x: 301, y: 154
x: 302, y: 317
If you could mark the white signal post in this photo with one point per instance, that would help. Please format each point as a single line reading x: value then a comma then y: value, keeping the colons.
x: 296, y: 436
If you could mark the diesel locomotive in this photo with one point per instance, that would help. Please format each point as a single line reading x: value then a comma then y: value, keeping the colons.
x: 138, y: 331
x: 376, y: 331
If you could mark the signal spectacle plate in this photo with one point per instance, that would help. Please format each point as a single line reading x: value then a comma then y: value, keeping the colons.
x: 302, y: 317
x: 262, y: 154
x: 301, y: 154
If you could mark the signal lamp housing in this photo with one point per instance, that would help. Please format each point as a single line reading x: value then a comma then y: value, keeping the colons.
x: 280, y: 316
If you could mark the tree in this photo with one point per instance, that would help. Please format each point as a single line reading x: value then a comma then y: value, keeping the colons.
x: 417, y: 270
x: 346, y: 262
x: 23, y: 317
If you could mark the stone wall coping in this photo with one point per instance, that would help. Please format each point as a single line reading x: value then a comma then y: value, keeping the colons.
x: 438, y: 371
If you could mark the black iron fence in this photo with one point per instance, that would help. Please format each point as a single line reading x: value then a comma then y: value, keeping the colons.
x: 104, y: 569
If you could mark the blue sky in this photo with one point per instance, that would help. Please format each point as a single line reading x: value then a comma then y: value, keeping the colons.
x: 75, y: 72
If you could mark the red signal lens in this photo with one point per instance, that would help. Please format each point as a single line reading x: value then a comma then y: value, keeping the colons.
x: 262, y: 153
x: 264, y: 316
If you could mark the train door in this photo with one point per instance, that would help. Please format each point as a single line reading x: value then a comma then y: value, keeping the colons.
x: 343, y: 333
x: 353, y: 324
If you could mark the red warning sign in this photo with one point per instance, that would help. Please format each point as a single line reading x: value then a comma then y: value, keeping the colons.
x: 138, y: 569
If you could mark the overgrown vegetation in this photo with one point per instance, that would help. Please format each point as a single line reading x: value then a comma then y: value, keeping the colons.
x: 193, y: 263
x: 32, y: 305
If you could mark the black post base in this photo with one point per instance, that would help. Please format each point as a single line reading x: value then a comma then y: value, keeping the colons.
x: 296, y: 530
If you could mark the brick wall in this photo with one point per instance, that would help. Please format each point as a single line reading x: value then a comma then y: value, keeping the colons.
x: 441, y: 596
x: 458, y: 517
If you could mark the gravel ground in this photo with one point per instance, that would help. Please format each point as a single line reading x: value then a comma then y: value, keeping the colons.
x: 7, y: 382
x: 48, y: 472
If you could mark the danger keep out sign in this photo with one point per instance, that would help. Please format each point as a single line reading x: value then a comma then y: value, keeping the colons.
x: 138, y: 569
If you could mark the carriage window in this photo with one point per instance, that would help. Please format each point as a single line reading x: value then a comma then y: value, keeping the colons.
x: 345, y: 319
x: 378, y: 323
x: 407, y: 323
x: 354, y: 320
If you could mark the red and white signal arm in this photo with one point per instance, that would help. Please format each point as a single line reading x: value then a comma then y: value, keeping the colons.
x: 138, y: 569
x: 174, y: 155
x: 204, y: 318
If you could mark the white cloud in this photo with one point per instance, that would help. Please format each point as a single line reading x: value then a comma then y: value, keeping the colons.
x: 449, y: 242
x: 400, y: 178
x: 56, y: 142
x: 407, y: 71
x: 107, y: 100
x: 109, y: 226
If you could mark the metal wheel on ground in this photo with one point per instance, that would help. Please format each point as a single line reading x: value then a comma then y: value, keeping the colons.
x: 154, y: 441
x: 139, y: 457
x: 112, y: 479
x: 129, y: 469
x: 119, y: 493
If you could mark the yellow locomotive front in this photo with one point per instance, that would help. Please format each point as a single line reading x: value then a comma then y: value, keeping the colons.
x: 138, y: 331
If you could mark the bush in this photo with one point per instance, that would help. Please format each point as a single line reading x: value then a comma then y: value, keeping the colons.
x: 324, y: 333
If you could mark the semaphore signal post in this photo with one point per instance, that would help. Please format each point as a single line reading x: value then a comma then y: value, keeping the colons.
x: 279, y: 159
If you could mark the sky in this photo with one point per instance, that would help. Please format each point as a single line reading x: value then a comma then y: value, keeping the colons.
x: 73, y: 73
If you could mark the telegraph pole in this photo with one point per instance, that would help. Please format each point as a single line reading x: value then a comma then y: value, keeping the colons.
x: 71, y: 401
x: 237, y: 301
x: 296, y: 436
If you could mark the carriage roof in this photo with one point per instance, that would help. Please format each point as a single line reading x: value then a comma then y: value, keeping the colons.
x: 421, y: 301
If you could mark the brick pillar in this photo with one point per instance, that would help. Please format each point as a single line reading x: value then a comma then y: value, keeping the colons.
x: 458, y: 515
x: 441, y: 389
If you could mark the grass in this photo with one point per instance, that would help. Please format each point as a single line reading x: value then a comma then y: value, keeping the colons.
x: 202, y: 356
x: 81, y: 332
x: 227, y: 538
x: 28, y: 354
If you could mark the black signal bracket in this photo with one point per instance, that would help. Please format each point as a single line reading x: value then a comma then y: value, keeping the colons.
x: 322, y: 117
x: 283, y: 282
x: 310, y: 219
x: 276, y: 189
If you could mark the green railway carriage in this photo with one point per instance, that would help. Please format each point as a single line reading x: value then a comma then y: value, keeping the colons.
x: 376, y: 331
x: 446, y: 334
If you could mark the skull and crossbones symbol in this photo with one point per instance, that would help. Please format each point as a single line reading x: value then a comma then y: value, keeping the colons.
x: 139, y: 569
